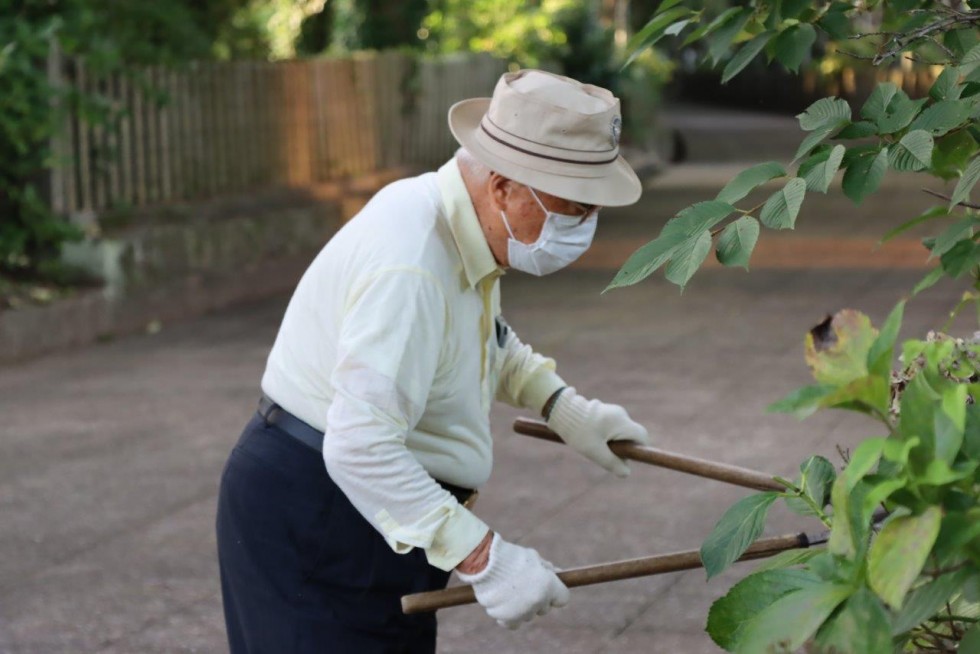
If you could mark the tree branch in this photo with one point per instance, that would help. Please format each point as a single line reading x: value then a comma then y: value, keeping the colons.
x: 968, y: 205
x: 897, y: 42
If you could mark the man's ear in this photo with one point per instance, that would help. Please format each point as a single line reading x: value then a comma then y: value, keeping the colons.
x: 499, y: 189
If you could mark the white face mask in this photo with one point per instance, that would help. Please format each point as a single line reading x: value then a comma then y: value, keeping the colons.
x: 563, y: 239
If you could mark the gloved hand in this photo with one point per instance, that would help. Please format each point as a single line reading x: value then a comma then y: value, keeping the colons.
x: 516, y: 584
x: 587, y: 426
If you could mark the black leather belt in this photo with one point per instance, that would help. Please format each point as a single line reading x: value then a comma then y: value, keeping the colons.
x: 273, y: 414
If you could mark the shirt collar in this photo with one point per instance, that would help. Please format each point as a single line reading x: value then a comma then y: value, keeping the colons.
x: 478, y: 261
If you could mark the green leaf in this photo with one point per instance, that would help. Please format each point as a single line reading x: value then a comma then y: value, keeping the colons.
x: 837, y: 349
x: 749, y: 179
x: 821, y: 175
x: 848, y: 535
x: 952, y: 154
x: 946, y: 86
x: 858, y: 130
x: 917, y: 407
x: 804, y: 401
x: 961, y: 258
x: 957, y: 530
x: 795, y: 9
x: 882, y: 350
x: 709, y: 28
x: 729, y: 616
x: 721, y: 37
x: 900, y: 113
x: 856, y: 152
x: 930, y: 214
x: 787, y: 559
x: 929, y: 280
x: 897, y: 451
x: 971, y: 434
x: 782, y: 207
x: 676, y: 28
x: 862, y: 626
x: 950, y: 423
x: 890, y: 109
x: 817, y: 476
x: 923, y: 602
x: 819, y: 155
x: 793, y: 45
x: 678, y: 230
x: 913, y: 152
x: 971, y: 641
x: 899, y: 552
x: 826, y: 112
x: 688, y: 258
x: 745, y: 54
x: 836, y: 23
x: 864, y: 458
x: 865, y: 395
x: 939, y: 473
x: 864, y: 175
x: 970, y: 60
x: 875, y: 107
x: 737, y: 241
x: 812, y: 140
x: 647, y: 259
x: 880, y: 488
x: 698, y: 217
x: 737, y: 529
x: 792, y: 619
x: 966, y: 183
x: 943, y: 116
x: 653, y: 31
x: 952, y: 235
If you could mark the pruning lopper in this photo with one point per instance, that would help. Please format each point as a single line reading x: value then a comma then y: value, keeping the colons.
x: 647, y: 565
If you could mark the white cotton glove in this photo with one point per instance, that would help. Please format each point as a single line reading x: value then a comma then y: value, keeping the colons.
x: 587, y: 426
x: 516, y: 585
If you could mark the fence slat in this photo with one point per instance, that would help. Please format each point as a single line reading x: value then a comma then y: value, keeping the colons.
x: 234, y: 126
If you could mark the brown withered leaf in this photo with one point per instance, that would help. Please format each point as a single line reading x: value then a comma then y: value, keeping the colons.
x: 837, y: 348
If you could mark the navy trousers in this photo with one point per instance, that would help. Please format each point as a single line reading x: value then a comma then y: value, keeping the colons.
x: 301, y: 570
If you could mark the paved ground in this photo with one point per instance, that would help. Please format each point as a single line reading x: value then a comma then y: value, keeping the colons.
x: 110, y: 456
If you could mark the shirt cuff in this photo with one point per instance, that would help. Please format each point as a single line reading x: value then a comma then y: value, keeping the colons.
x: 538, y: 388
x: 456, y: 539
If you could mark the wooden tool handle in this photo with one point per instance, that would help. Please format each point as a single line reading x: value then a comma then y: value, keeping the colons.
x: 604, y: 572
x: 691, y: 465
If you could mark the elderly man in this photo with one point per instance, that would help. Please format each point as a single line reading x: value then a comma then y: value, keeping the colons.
x: 351, y: 485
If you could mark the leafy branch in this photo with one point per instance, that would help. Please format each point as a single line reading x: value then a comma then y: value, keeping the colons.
x: 943, y: 196
x: 898, y: 42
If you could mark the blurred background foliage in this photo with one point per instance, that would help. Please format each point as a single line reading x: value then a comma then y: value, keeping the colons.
x: 581, y: 38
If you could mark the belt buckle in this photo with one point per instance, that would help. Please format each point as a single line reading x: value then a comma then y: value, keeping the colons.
x: 471, y: 500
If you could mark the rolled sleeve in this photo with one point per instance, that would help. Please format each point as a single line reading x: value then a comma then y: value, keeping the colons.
x: 389, y: 349
x: 527, y: 379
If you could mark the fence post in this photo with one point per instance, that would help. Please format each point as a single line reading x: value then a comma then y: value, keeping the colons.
x: 59, y: 173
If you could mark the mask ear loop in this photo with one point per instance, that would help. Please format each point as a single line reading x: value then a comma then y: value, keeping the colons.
x: 540, y: 203
x: 507, y: 224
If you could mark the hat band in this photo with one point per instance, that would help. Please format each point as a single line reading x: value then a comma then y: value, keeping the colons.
x: 546, y: 156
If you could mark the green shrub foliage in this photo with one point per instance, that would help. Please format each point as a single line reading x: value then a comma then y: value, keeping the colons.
x: 901, y: 569
x: 106, y: 37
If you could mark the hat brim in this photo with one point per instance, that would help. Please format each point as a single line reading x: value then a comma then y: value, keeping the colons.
x: 608, y: 185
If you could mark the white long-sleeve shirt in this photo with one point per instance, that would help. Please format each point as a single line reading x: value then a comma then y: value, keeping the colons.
x: 389, y: 346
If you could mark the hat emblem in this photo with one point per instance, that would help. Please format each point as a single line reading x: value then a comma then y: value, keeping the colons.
x: 616, y: 128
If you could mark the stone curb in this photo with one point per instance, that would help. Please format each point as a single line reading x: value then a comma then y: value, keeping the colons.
x: 215, y: 255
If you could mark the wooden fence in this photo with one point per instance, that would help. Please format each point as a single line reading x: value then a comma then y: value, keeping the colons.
x: 230, y: 127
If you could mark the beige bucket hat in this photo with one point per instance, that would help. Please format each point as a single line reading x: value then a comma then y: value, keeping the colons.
x: 552, y: 133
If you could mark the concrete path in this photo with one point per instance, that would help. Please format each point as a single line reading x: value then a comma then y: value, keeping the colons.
x: 110, y: 456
